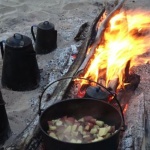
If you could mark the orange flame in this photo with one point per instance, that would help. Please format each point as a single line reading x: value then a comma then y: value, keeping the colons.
x: 126, y: 39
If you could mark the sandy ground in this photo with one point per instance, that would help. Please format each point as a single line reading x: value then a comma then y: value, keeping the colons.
x: 17, y: 16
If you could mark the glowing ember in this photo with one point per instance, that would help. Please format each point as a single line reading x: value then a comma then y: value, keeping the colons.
x: 126, y: 39
x: 125, y: 108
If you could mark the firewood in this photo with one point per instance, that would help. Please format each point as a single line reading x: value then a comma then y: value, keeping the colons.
x: 100, y: 34
x: 23, y: 140
x: 81, y: 35
x: 133, y: 80
x: 133, y: 137
x: 112, y: 85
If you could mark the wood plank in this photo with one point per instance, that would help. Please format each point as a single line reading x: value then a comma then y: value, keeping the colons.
x: 134, y: 135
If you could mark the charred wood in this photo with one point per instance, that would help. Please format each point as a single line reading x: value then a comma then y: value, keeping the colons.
x: 127, y: 70
x: 28, y: 136
x: 125, y: 94
x: 133, y: 137
x: 81, y: 35
x: 100, y: 34
x: 133, y: 80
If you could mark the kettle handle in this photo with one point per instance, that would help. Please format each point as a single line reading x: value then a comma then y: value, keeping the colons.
x: 2, y: 48
x: 32, y: 32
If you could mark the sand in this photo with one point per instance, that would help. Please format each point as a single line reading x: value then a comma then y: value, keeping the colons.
x: 17, y: 16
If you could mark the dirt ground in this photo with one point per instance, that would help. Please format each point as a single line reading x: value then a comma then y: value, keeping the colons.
x: 17, y: 16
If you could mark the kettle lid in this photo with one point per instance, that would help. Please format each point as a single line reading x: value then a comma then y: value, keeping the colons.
x: 18, y: 40
x: 96, y: 92
x: 46, y: 25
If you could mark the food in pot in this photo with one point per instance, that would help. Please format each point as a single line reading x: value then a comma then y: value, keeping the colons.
x: 84, y: 130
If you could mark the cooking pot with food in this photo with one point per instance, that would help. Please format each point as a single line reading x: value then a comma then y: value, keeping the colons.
x: 79, y: 108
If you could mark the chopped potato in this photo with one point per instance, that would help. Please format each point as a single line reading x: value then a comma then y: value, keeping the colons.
x: 84, y: 130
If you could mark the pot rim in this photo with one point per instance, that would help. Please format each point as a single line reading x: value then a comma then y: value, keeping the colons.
x: 118, y: 130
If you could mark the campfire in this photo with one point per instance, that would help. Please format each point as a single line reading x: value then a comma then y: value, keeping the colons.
x: 121, y: 49
x: 117, y: 43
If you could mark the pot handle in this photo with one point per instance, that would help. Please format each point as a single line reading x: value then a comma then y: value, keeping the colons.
x: 32, y: 32
x: 74, y: 77
x: 2, y: 48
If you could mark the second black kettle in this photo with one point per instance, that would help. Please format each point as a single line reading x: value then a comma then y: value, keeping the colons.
x: 46, y: 37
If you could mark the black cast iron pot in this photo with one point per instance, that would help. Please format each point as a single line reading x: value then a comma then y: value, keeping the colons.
x: 78, y: 108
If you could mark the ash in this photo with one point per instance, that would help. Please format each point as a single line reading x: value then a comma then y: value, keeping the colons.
x: 73, y: 91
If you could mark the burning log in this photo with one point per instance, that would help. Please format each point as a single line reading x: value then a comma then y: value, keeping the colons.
x: 99, y: 35
x: 82, y: 32
x: 113, y: 84
x: 32, y: 132
x: 132, y: 80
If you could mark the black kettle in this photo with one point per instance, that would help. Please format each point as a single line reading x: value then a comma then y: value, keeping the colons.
x: 20, y: 70
x: 5, y: 131
x: 46, y: 37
